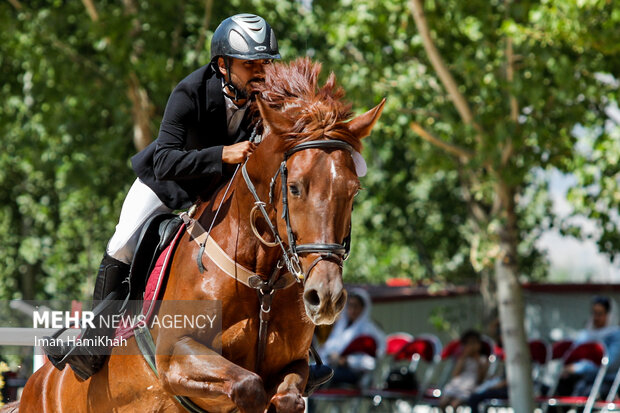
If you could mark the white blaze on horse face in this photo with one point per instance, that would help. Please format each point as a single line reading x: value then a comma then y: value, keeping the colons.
x: 332, y: 168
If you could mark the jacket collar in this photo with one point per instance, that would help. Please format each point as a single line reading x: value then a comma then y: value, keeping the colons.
x: 217, y: 106
x: 215, y: 96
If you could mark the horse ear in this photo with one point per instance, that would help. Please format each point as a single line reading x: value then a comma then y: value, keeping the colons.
x: 278, y: 123
x: 363, y: 124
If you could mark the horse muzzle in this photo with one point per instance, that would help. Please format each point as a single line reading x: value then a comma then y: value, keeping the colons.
x: 324, y: 293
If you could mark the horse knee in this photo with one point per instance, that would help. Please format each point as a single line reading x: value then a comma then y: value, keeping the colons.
x: 249, y: 394
x: 175, y: 383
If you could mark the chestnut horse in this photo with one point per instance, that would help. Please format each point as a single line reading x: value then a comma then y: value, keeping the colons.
x: 306, y: 149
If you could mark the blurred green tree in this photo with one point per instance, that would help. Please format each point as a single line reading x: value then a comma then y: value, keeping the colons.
x: 483, y: 97
x: 498, y: 87
x: 85, y: 88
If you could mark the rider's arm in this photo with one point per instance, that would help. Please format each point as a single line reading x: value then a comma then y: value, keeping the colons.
x: 171, y: 160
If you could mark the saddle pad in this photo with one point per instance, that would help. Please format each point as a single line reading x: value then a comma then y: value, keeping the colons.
x: 153, y: 287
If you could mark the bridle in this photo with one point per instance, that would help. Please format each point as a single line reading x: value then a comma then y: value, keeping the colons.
x: 327, y: 251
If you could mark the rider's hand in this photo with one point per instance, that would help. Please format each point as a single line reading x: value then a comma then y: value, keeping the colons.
x: 238, y: 152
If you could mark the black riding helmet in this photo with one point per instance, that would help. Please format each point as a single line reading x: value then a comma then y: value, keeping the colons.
x: 243, y: 36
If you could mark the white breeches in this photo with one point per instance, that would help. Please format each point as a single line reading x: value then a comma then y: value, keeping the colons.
x: 140, y: 204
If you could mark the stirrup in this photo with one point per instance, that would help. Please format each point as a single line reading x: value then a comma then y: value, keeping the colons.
x: 81, y: 361
x: 318, y: 375
x: 85, y: 365
x: 56, y: 354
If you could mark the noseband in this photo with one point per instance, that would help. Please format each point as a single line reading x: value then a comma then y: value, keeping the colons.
x: 327, y: 251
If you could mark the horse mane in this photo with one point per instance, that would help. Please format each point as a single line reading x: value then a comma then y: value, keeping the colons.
x: 316, y: 112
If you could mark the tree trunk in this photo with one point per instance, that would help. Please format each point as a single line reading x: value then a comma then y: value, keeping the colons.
x: 488, y: 291
x: 142, y: 109
x: 511, y: 311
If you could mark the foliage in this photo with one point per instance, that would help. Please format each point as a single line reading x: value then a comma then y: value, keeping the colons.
x: 559, y: 46
x: 589, y: 30
x: 66, y: 122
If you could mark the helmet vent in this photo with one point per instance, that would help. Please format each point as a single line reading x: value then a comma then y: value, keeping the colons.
x: 253, y: 25
x: 273, y: 42
x: 237, y: 41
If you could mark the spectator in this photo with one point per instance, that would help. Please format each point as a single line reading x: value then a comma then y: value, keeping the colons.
x: 578, y: 378
x: 353, y: 322
x: 469, y: 371
x: 495, y: 387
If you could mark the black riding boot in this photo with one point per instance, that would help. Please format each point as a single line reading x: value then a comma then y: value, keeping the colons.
x: 109, y: 290
x: 319, y: 373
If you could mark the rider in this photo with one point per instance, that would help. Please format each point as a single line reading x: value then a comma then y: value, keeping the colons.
x: 205, y: 128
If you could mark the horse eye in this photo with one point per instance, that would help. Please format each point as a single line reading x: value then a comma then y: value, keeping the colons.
x: 294, y: 190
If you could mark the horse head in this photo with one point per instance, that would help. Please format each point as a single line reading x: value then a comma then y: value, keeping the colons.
x: 309, y: 143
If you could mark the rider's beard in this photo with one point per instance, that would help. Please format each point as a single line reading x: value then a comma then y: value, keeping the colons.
x: 249, y: 89
x: 241, y: 92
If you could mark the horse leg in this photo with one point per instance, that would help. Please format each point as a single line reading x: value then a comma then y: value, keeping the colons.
x: 194, y: 370
x: 289, y: 390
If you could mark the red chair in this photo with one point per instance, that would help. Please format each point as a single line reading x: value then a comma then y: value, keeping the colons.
x: 363, y: 344
x: 395, y: 341
x: 347, y: 398
x: 425, y: 348
x: 540, y: 354
x: 592, y: 351
x: 560, y: 348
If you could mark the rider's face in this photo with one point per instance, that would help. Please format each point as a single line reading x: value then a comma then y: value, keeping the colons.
x: 245, y: 74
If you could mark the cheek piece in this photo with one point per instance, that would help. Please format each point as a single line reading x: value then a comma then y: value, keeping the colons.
x: 239, y: 94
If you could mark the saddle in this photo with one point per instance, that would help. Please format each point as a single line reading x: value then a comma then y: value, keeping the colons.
x: 156, y: 235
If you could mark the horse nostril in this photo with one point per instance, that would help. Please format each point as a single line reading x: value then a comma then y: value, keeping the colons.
x: 312, y: 298
x: 340, y: 302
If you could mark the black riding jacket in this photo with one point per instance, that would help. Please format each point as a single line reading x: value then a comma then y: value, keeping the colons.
x: 185, y: 161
